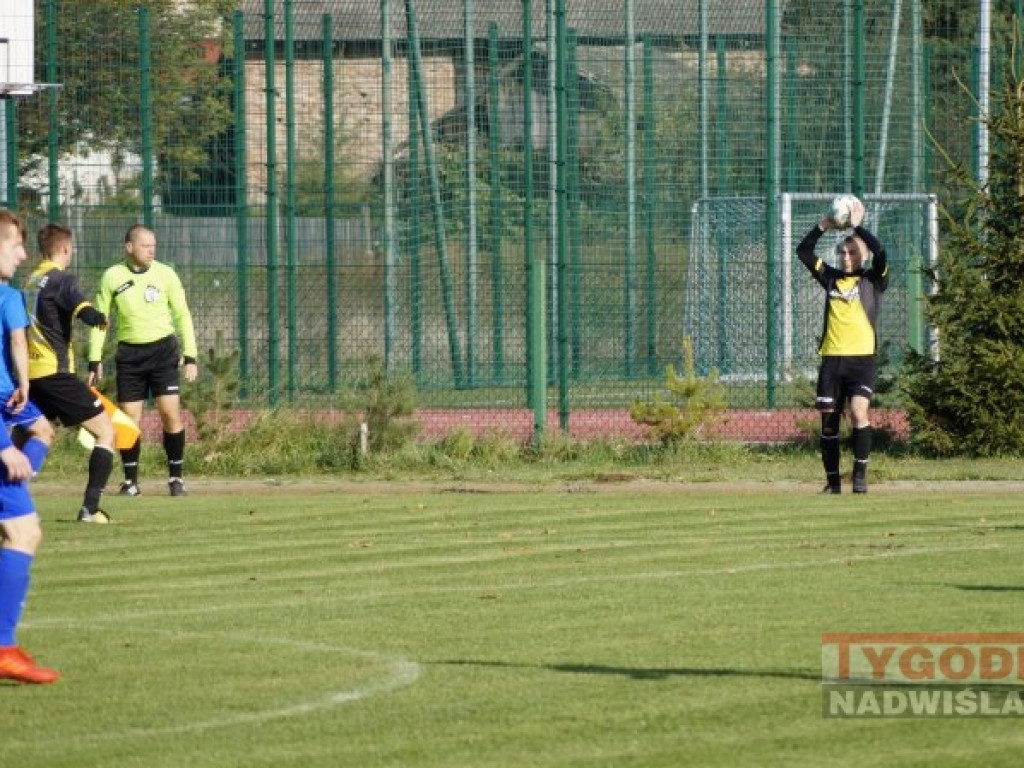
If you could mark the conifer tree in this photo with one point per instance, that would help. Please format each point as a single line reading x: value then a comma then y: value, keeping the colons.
x: 970, y: 400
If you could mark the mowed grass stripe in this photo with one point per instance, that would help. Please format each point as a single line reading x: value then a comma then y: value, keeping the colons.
x: 553, y: 629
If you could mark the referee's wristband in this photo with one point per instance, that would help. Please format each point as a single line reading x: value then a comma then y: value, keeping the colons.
x: 189, y: 360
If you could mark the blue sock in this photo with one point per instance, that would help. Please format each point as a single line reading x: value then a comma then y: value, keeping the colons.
x: 36, y: 451
x: 14, y: 578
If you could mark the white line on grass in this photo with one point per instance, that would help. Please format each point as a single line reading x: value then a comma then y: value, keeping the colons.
x: 400, y: 673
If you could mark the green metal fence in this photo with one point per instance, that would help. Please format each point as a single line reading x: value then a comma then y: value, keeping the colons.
x: 524, y: 206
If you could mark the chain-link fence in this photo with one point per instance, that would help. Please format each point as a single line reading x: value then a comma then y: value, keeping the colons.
x: 523, y: 206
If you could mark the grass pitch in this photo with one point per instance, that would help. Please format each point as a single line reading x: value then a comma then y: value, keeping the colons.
x: 569, y: 624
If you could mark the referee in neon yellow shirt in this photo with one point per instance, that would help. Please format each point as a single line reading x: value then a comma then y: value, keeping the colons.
x: 155, y: 339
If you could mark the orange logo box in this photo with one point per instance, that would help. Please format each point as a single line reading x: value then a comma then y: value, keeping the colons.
x: 923, y: 658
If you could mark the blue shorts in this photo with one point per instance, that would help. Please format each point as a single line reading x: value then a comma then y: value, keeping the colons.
x: 28, y: 416
x: 15, y: 500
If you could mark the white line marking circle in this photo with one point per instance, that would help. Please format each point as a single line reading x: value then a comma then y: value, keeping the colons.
x: 399, y: 673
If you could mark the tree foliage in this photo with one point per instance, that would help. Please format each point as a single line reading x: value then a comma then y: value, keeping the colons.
x: 694, y: 404
x: 99, y: 73
x: 971, y: 400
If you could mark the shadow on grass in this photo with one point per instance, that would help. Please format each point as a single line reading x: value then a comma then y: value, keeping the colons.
x: 987, y: 587
x: 642, y: 673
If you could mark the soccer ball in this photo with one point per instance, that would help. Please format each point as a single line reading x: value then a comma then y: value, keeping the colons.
x: 842, y: 208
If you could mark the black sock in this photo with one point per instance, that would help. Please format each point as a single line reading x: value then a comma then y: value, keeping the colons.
x: 861, y: 449
x: 174, y: 446
x: 101, y: 464
x: 130, y: 461
x: 862, y: 443
x: 830, y: 446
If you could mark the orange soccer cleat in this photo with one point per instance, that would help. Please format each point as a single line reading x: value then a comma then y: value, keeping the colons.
x: 15, y: 664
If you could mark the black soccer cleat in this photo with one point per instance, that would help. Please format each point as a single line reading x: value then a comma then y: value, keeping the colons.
x: 129, y: 488
x: 860, y: 477
x: 832, y: 489
x: 95, y: 516
x: 176, y: 486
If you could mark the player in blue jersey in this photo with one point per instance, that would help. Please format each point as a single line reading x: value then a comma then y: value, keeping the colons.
x: 19, y: 523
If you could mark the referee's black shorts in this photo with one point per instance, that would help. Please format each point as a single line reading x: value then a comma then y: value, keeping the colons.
x: 147, y: 369
x: 64, y: 398
x: 843, y: 377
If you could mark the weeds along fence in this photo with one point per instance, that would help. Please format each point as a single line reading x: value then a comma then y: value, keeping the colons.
x: 522, y: 206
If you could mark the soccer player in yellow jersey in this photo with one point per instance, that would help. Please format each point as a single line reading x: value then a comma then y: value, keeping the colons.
x: 145, y: 300
x: 848, y: 341
x: 54, y: 301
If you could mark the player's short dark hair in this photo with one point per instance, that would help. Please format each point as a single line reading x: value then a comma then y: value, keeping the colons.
x: 10, y: 220
x: 50, y: 238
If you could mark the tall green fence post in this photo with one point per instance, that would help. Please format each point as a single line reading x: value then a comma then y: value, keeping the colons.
x: 413, y: 234
x: 472, y: 251
x: 859, y: 153
x: 495, y: 224
x: 629, y: 137
x: 10, y: 114
x: 53, y: 117
x: 273, y: 321
x: 536, y: 368
x: 241, y: 196
x: 388, y: 154
x: 146, y: 116
x: 573, y: 182
x: 330, y: 245
x: 289, y: 196
x: 771, y: 193
x: 562, y: 218
x: 650, y: 209
x: 722, y: 141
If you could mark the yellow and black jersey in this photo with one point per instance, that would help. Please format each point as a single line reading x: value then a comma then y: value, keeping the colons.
x: 54, y: 300
x: 851, y: 310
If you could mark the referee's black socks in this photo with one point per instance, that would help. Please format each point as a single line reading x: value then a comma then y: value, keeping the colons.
x: 130, y: 460
x: 174, y: 447
x: 862, y: 443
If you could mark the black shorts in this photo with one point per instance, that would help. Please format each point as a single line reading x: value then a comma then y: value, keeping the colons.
x: 147, y: 369
x: 64, y: 398
x: 840, y: 378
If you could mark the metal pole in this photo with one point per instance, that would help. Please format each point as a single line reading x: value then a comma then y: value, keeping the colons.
x: 289, y: 191
x: 10, y: 123
x: 494, y: 134
x: 551, y: 144
x: 241, y: 197
x: 53, y: 117
x: 650, y: 207
x: 629, y: 298
x: 388, y: 153
x: 414, y: 218
x: 535, y: 350
x: 562, y: 214
x: 772, y: 40
x: 472, y: 253
x: 859, y: 156
x: 984, y: 64
x: 8, y: 200
x: 146, y: 114
x: 329, y: 235
x: 573, y: 181
x: 270, y: 212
